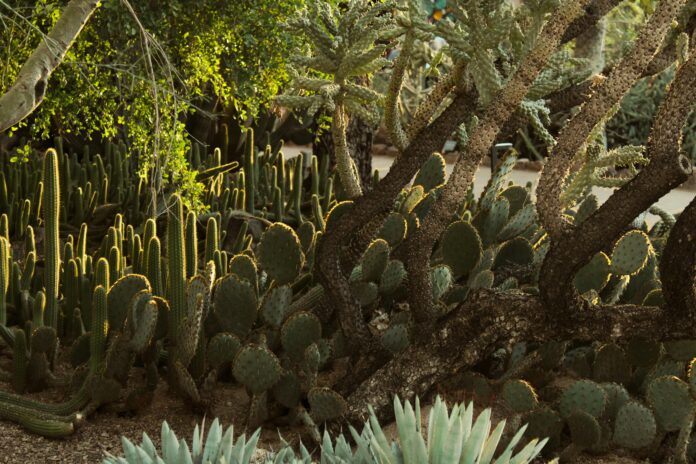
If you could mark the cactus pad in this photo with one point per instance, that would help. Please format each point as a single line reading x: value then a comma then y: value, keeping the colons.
x: 365, y: 292
x: 244, y: 267
x: 617, y: 396
x: 393, y: 276
x: 375, y: 260
x: 611, y: 365
x: 518, y: 223
x: 338, y: 210
x: 519, y: 396
x: 288, y: 391
x: 299, y: 331
x: 441, y: 279
x: 234, y: 303
x: 276, y: 304
x: 593, y: 275
x: 584, y: 429
x: 671, y: 401
x: 630, y: 253
x: 257, y: 368
x: 120, y: 295
x: 325, y: 404
x: 431, y: 173
x: 643, y: 353
x: 583, y: 395
x: 280, y: 253
x: 394, y: 229
x: 634, y: 427
x: 681, y: 350
x: 222, y: 349
x: 545, y: 422
x: 461, y: 247
x: 517, y: 251
x: 396, y: 338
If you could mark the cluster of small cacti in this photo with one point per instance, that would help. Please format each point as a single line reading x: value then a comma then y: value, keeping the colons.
x: 598, y: 398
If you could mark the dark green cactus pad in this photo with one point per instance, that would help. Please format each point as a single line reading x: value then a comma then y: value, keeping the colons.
x: 477, y: 386
x: 517, y: 196
x: 298, y: 332
x: 288, y: 391
x: 483, y: 279
x: 423, y: 207
x: 222, y: 349
x: 515, y: 252
x: 593, y: 275
x: 412, y: 198
x: 461, y: 247
x: 630, y: 253
x: 518, y: 223
x: 654, y: 298
x: 375, y: 260
x: 635, y: 426
x: 162, y: 317
x: 276, y: 304
x: 258, y: 410
x: 312, y: 359
x: 307, y: 235
x: 394, y: 229
x: 617, y: 396
x: 79, y: 350
x: 494, y: 221
x: 185, y: 383
x: 280, y: 253
x: 325, y: 404
x: 365, y: 292
x: 441, y: 279
x: 120, y: 295
x: 43, y: 339
x: 245, y: 268
x: 519, y: 396
x: 665, y: 367
x: 691, y: 377
x: 643, y: 353
x: 338, y: 210
x: 432, y: 173
x: 544, y: 422
x: 393, y: 276
x: 671, y: 402
x: 584, y: 429
x: 498, y: 179
x: 583, y: 395
x: 235, y: 305
x: 257, y: 368
x: 143, y: 322
x: 611, y: 365
x: 586, y: 209
x: 396, y: 338
x: 681, y: 350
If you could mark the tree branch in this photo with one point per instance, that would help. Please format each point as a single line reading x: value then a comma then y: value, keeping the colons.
x: 678, y: 265
x: 29, y: 89
x: 573, y: 245
x: 420, y: 243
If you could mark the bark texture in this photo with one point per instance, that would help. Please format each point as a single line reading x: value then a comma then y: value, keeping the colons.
x: 29, y: 89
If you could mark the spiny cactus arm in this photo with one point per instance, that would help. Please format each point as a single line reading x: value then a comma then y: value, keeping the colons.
x: 345, y: 166
x: 594, y: 12
x: 379, y: 201
x: 176, y: 268
x: 392, y: 116
x: 667, y: 169
x: 574, y: 135
x: 426, y: 109
x: 29, y: 89
x: 420, y: 244
x: 51, y: 207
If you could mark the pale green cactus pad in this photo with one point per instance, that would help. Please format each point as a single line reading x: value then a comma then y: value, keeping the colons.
x: 630, y: 253
x: 671, y: 402
x: 635, y: 426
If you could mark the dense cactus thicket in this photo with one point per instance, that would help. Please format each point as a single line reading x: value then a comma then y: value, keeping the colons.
x: 291, y: 270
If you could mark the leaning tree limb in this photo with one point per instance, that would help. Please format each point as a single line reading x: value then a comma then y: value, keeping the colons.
x: 29, y: 89
x: 573, y: 245
x: 489, y: 320
x: 420, y: 244
x: 678, y: 265
x: 594, y: 12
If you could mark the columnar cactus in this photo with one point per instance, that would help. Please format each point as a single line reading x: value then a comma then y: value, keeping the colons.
x: 51, y: 207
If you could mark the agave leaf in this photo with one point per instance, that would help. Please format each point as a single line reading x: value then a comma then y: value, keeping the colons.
x: 479, y: 433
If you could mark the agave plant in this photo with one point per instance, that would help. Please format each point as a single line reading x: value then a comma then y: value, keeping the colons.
x: 216, y: 449
x: 452, y: 438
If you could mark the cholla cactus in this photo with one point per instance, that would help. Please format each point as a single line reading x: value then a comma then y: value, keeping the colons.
x: 344, y: 46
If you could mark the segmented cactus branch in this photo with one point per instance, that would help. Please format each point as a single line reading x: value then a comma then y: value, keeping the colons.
x: 392, y: 116
x: 496, y: 114
x: 608, y: 93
